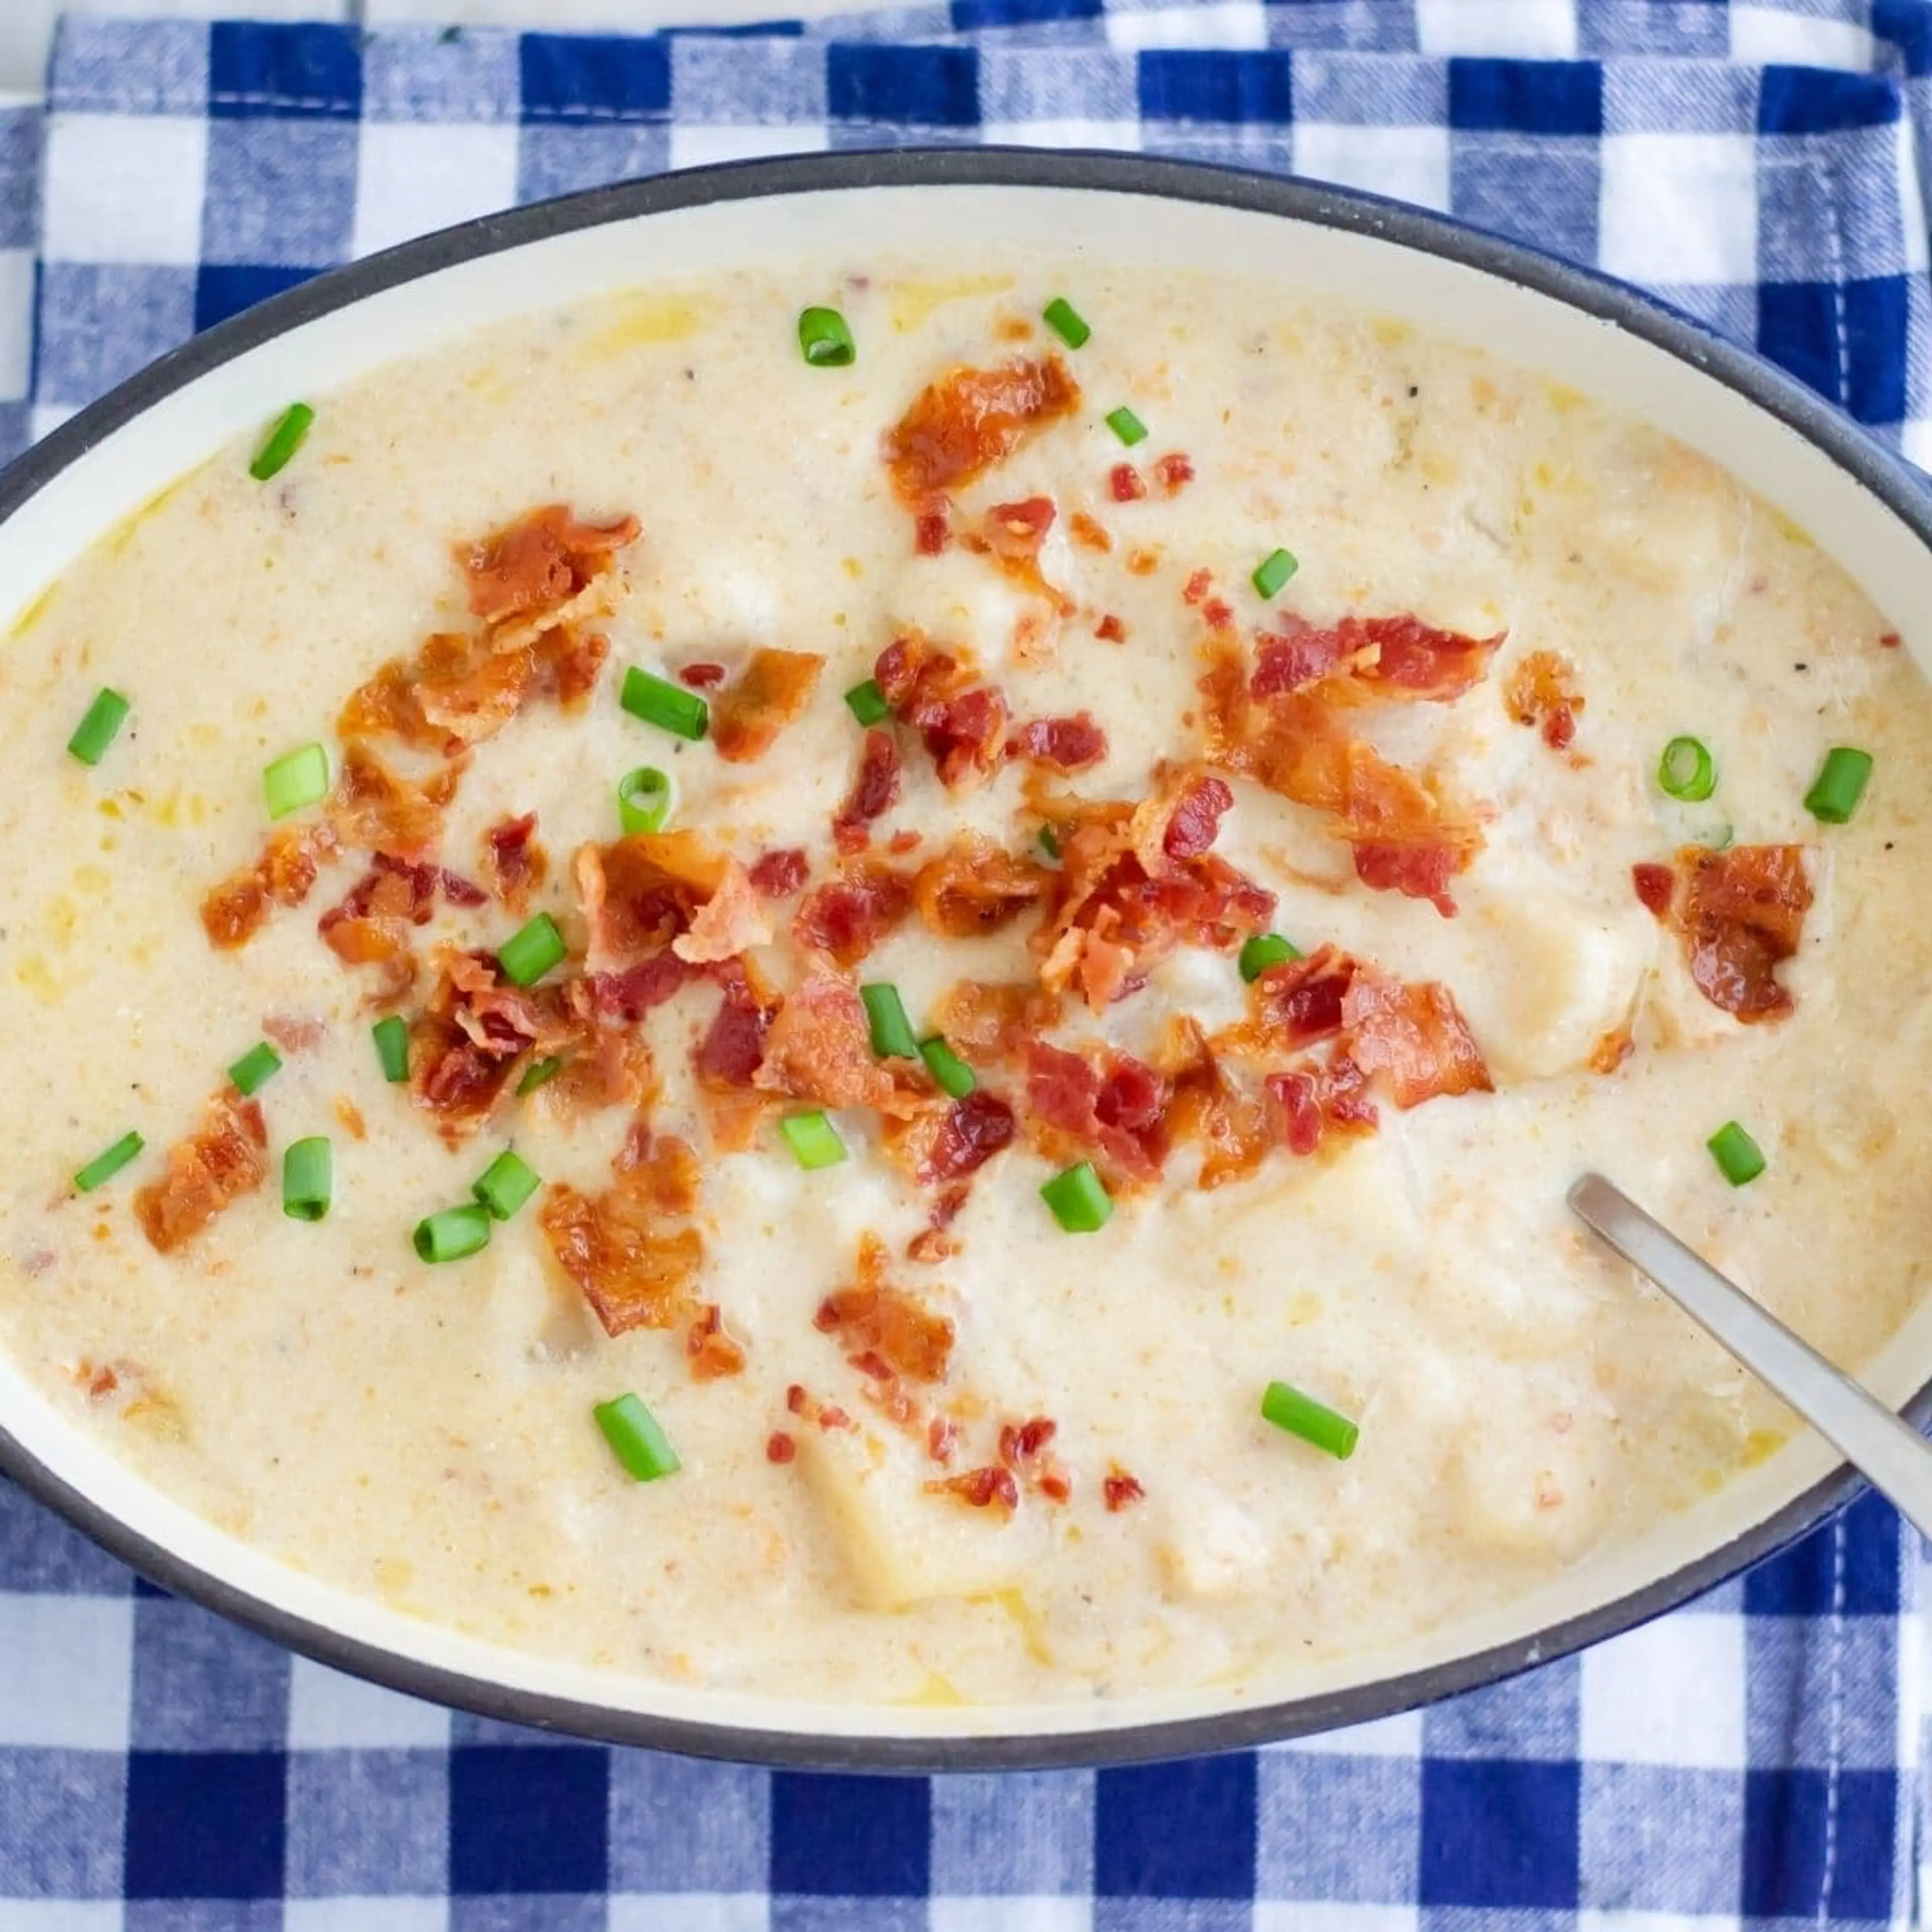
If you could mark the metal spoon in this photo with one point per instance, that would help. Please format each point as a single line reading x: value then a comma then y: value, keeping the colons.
x: 1891, y: 1455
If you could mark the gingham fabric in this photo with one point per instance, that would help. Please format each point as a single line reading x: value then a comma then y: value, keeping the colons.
x: 1752, y: 1759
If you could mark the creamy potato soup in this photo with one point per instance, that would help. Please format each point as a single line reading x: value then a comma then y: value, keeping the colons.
x: 878, y: 982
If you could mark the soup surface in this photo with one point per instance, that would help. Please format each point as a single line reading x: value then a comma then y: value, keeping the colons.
x: 1237, y: 736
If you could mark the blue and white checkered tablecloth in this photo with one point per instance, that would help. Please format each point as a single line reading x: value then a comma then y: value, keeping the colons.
x: 1753, y: 1759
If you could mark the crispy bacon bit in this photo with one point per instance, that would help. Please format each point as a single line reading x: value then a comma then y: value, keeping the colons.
x: 1314, y: 1101
x: 1656, y: 887
x: 931, y: 1246
x: 1540, y: 691
x: 1123, y: 480
x: 975, y: 886
x: 1112, y: 1107
x: 295, y: 1032
x: 703, y: 675
x: 1023, y: 1448
x: 989, y: 1488
x: 533, y: 568
x: 284, y: 874
x: 1743, y: 913
x: 373, y: 809
x: 465, y: 1044
x: 460, y: 891
x: 513, y: 862
x: 779, y: 1447
x: 100, y: 1383
x: 634, y: 1268
x: 820, y: 1048
x: 1417, y: 872
x: 1173, y: 472
x: 629, y: 994
x: 639, y: 892
x: 773, y: 688
x: 941, y: 1438
x: 1087, y: 533
x: 1199, y: 583
x: 949, y: 1144
x: 779, y: 874
x: 1891, y: 640
x: 1067, y: 744
x: 932, y: 531
x: 731, y: 1049
x: 1301, y: 1001
x: 226, y: 1158
x: 1202, y: 803
x: 970, y: 419
x: 994, y: 1022
x: 875, y: 789
x: 872, y: 1317
x: 1611, y: 1051
x: 963, y: 722
x: 1396, y: 657
x: 1110, y: 630
x: 1414, y: 1035
x: 709, y: 1353
x: 848, y: 915
x: 732, y: 919
x: 1014, y: 533
x: 1120, y: 1488
x: 1233, y: 1126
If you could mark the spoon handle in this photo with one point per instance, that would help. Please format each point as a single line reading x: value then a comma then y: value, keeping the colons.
x: 1891, y: 1455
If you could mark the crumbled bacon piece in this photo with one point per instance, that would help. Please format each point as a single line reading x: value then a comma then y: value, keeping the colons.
x: 1540, y: 691
x: 875, y: 789
x: 731, y: 920
x: 1113, y: 1106
x: 634, y: 1268
x: 1023, y: 1448
x: 225, y: 1159
x: 1890, y: 640
x: 1110, y: 630
x: 846, y: 915
x: 1417, y: 872
x: 1088, y: 532
x: 1173, y: 472
x: 872, y: 1317
x: 819, y: 1048
x: 970, y: 419
x: 1313, y: 1101
x: 1232, y: 1126
x: 729, y: 1054
x: 1199, y: 809
x: 932, y: 531
x: 465, y: 1043
x: 703, y: 675
x: 1067, y: 744
x: 779, y: 874
x: 1743, y: 915
x: 531, y: 568
x: 641, y: 891
x: 1119, y: 1488
x: 1300, y: 1001
x: 771, y: 691
x: 373, y: 809
x: 630, y: 994
x: 941, y: 1437
x: 709, y: 1352
x: 963, y: 722
x: 1396, y: 657
x: 1656, y: 887
x: 989, y: 1488
x: 284, y: 874
x: 1015, y: 534
x: 295, y: 1032
x: 1413, y: 1034
x: 779, y: 1447
x: 1124, y: 480
x: 371, y: 927
x: 987, y: 1021
x: 460, y: 891
x: 513, y: 861
x: 950, y: 1144
x: 975, y: 886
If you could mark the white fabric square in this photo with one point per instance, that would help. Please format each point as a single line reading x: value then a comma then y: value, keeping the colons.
x: 412, y: 179
x: 1498, y: 29
x: 16, y: 322
x: 1123, y: 136
x: 1228, y: 24
x: 1669, y: 1693
x: 1679, y: 208
x: 695, y: 146
x: 124, y: 188
x: 328, y: 1711
x: 1769, y: 36
x: 1911, y: 205
x: 68, y: 1683
x: 1409, y: 163
x: 1329, y: 1915
x: 61, y: 1915
x: 1655, y: 1922
x: 1399, y: 1736
x: 1021, y: 1913
x: 688, y: 1912
x: 365, y: 1915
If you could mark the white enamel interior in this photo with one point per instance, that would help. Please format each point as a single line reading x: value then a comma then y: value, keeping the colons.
x: 52, y: 529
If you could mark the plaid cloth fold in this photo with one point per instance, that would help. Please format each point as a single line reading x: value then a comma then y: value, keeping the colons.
x: 1753, y: 1758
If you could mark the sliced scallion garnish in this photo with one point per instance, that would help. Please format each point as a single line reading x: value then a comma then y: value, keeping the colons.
x: 105, y: 1166
x: 1315, y: 1422
x: 1274, y: 570
x: 1049, y: 843
x: 96, y: 731
x: 1739, y: 1158
x: 893, y: 1037
x: 1263, y: 950
x: 669, y: 707
x: 645, y: 798
x: 283, y: 440
x: 1126, y: 426
x: 308, y: 1178
x: 1840, y: 783
x: 825, y: 339
x: 531, y: 951
x: 1686, y: 770
x: 1079, y: 1199
x: 953, y: 1075
x: 539, y: 1071
x: 452, y: 1233
x: 296, y: 779
x: 636, y: 1439
x: 1066, y: 321
x: 867, y: 702
x: 813, y: 1139
x: 506, y: 1184
x: 392, y: 1036
x: 256, y: 1066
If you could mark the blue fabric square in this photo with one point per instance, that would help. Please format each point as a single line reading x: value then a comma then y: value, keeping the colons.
x: 1185, y: 1830
x: 680, y: 1826
x: 202, y: 1683
x: 222, y: 291
x: 1372, y: 1862
x: 529, y: 1820
x: 1797, y: 1811
x: 970, y: 16
x: 1497, y: 1833
x: 205, y: 1825
x: 284, y: 194
x: 1820, y: 1691
x: 1811, y: 100
x: 1014, y: 1832
x: 1678, y: 96
x: 1486, y: 179
x: 554, y: 159
x: 528, y: 1911
x: 203, y: 1915
x: 904, y: 87
x: 1194, y: 84
x: 594, y: 77
x: 38, y: 1551
x: 1350, y: 90
x: 367, y: 1823
x: 1534, y: 1717
x: 1877, y: 320
x: 1634, y: 1814
x: 132, y: 66
x: 61, y: 1815
x: 19, y: 163
x: 1526, y: 96
x: 1682, y: 29
x: 1906, y: 27
x: 424, y: 77
x: 744, y: 82
x: 850, y: 1837
x: 305, y: 69
x: 113, y: 319
x: 1801, y: 1581
x: 1095, y: 83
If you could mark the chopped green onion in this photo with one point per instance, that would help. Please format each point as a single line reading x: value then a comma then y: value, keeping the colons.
x: 1078, y: 1199
x: 669, y: 707
x: 813, y: 1138
x: 1049, y: 842
x: 297, y: 778
x: 254, y: 1067
x: 284, y: 439
x: 645, y: 799
x: 452, y: 1233
x: 1263, y: 950
x: 530, y: 952
x: 106, y: 1166
x: 824, y: 338
x: 506, y: 1184
x: 1274, y: 570
x: 1313, y: 1421
x: 95, y: 732
x: 392, y: 1036
x: 308, y: 1178
x: 540, y: 1071
x: 867, y: 702
x: 1840, y: 785
x: 1686, y: 770
x: 1739, y: 1158
x: 1126, y: 426
x: 636, y: 1440
x: 954, y: 1076
x: 893, y: 1037
x: 1066, y: 321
